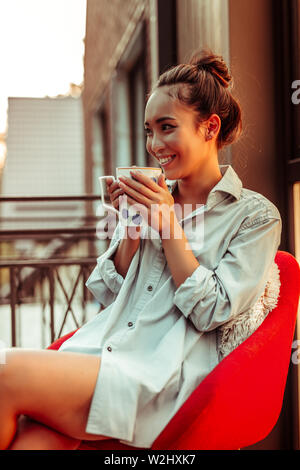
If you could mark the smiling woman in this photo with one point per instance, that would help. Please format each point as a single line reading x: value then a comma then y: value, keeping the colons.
x: 126, y: 372
x: 184, y: 152
x: 189, y: 106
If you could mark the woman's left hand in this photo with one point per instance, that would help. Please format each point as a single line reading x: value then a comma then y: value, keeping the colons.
x: 155, y: 197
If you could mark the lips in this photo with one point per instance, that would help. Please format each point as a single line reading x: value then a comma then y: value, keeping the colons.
x: 163, y: 161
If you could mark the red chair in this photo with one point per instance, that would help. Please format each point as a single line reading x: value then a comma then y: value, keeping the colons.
x: 239, y: 402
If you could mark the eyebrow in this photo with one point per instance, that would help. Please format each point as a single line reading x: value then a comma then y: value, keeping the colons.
x: 164, y: 118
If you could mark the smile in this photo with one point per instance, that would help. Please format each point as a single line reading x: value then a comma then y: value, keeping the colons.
x: 164, y: 161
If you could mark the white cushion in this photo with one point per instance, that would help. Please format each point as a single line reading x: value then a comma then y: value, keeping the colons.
x: 234, y: 332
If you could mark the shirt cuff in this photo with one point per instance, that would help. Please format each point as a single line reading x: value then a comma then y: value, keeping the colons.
x: 106, y: 271
x: 192, y: 290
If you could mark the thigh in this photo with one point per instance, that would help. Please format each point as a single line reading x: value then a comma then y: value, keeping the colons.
x: 52, y: 387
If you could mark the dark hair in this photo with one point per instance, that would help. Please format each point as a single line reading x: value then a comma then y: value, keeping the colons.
x: 206, y: 87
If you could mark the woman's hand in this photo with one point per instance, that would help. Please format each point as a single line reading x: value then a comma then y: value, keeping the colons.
x: 159, y: 207
x: 155, y: 197
x: 114, y: 191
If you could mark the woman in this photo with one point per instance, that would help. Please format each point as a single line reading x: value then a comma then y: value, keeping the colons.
x: 127, y: 371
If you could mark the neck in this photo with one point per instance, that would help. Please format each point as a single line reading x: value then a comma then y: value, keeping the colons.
x: 197, y: 187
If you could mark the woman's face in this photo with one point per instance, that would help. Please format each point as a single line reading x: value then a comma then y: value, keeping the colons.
x: 172, y: 137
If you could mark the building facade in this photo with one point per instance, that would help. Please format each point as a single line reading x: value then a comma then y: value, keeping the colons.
x: 45, y: 148
x: 45, y: 157
x: 128, y: 44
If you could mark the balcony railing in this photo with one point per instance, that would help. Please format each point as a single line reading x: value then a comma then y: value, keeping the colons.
x: 51, y: 274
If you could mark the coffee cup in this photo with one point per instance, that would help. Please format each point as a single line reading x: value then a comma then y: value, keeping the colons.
x: 129, y: 216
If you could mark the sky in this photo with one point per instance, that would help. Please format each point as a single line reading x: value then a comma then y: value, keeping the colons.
x: 41, y: 48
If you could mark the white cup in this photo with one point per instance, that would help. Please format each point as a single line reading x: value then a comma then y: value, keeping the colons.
x: 129, y: 216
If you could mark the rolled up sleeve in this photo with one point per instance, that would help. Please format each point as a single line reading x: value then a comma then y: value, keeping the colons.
x: 210, y: 298
x: 105, y: 282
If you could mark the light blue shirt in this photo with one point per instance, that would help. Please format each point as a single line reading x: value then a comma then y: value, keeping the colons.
x: 158, y: 342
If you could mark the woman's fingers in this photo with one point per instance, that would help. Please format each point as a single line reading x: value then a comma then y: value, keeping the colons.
x: 115, y: 197
x: 109, y: 181
x: 139, y: 187
x: 111, y: 185
x: 145, y: 180
x: 143, y: 189
x: 114, y: 191
x: 136, y: 185
x: 138, y: 195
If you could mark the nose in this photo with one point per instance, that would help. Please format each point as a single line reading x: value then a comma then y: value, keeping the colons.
x: 156, y: 144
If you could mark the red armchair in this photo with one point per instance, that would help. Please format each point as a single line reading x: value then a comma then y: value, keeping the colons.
x: 239, y: 402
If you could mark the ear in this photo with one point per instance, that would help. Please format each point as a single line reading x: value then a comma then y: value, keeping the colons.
x: 213, y: 125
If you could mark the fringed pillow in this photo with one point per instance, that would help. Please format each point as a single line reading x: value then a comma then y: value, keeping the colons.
x: 234, y: 332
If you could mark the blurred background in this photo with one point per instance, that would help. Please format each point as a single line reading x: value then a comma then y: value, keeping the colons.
x: 74, y: 78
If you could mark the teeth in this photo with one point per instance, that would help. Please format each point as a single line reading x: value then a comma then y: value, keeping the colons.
x: 165, y: 160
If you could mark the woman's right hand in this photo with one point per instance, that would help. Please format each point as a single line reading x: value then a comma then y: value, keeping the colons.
x: 130, y: 243
x: 114, y: 191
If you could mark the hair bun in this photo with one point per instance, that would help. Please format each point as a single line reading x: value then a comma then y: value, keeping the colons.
x: 202, y: 84
x: 206, y: 60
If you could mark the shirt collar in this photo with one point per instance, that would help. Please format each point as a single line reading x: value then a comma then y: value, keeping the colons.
x: 229, y: 183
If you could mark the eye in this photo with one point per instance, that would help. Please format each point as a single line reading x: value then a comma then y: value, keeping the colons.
x: 166, y: 127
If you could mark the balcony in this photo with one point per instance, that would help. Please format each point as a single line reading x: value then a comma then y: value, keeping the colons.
x: 45, y: 260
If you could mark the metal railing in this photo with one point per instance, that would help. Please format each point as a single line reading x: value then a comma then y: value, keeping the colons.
x: 48, y: 274
x: 39, y: 278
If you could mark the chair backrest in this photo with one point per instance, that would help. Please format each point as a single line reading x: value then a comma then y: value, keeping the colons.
x: 239, y: 402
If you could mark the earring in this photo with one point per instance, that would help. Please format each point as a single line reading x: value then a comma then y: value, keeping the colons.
x: 209, y: 136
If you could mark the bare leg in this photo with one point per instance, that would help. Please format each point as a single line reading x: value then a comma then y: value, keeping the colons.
x: 54, y: 388
x: 32, y: 435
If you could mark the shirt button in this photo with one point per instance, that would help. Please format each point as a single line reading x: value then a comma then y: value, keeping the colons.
x: 109, y: 349
x: 149, y: 288
x: 130, y: 323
